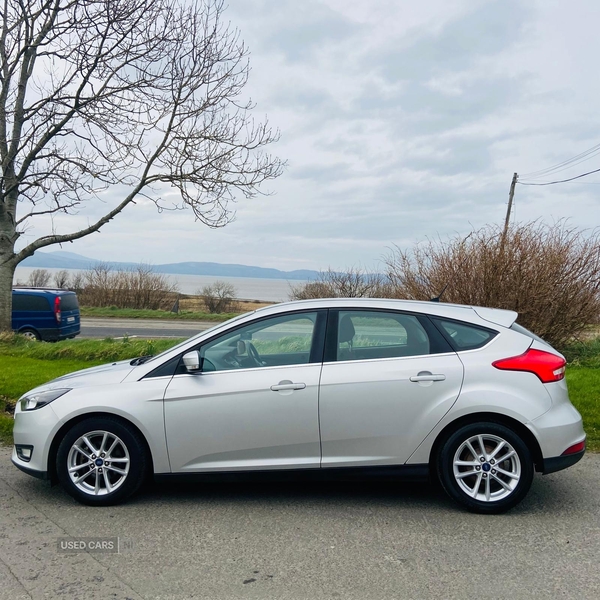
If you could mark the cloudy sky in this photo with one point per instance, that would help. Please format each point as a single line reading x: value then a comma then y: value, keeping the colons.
x: 400, y: 120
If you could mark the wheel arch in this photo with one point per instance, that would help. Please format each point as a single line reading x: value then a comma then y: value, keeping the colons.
x: 60, y: 434
x: 521, y: 430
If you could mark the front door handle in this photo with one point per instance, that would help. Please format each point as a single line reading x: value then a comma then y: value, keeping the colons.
x: 427, y: 376
x: 285, y: 385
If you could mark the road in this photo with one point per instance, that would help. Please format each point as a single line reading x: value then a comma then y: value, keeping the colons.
x: 293, y: 541
x: 145, y: 328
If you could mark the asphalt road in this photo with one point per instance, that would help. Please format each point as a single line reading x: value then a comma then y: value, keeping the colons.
x: 293, y: 541
x: 144, y: 328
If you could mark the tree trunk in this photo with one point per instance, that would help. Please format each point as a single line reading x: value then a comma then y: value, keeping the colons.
x: 7, y: 272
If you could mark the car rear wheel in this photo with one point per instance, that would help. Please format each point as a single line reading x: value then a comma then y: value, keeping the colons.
x: 486, y: 467
x: 30, y: 334
x: 101, y: 461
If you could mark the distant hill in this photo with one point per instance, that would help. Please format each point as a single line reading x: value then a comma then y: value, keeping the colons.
x: 69, y: 260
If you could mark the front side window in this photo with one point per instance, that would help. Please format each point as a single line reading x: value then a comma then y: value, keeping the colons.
x: 364, y: 335
x: 278, y: 341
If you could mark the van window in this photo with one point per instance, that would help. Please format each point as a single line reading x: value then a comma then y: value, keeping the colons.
x: 30, y: 302
x: 69, y: 302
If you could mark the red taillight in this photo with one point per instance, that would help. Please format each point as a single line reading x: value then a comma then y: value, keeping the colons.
x: 57, y: 308
x: 575, y: 448
x: 547, y: 366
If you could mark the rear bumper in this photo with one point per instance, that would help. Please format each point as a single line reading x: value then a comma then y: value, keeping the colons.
x: 558, y: 463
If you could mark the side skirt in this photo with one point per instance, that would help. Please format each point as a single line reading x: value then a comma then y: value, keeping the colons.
x: 413, y: 473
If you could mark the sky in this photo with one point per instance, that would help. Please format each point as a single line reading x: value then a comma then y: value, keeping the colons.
x: 399, y: 121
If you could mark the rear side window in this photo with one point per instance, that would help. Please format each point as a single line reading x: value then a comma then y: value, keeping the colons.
x: 364, y: 335
x: 68, y: 302
x: 465, y: 336
x: 30, y: 302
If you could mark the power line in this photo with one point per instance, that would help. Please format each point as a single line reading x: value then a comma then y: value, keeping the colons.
x: 561, y: 180
x: 565, y: 164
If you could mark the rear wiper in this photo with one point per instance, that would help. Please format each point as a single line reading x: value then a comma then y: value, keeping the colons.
x: 140, y: 360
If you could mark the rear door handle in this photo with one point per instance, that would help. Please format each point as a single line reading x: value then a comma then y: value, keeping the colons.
x: 426, y: 376
x: 287, y: 385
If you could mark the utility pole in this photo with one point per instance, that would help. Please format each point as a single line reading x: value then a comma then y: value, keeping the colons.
x: 511, y: 195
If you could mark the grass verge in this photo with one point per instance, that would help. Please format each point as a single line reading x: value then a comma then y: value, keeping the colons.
x: 139, y: 313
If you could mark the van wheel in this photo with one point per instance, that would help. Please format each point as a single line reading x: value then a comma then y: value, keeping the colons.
x: 30, y: 334
x: 101, y: 461
x: 486, y: 467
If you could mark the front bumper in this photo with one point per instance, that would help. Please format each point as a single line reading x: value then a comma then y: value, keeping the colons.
x: 22, y: 466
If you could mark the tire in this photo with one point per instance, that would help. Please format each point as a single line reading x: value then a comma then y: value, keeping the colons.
x: 108, y: 481
x: 490, y: 481
x: 30, y: 334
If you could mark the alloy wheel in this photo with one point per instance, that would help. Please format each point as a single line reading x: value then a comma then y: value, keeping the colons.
x: 487, y: 468
x: 98, y: 463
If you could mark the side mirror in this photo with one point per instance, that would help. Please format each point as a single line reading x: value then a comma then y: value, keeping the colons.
x: 192, y: 361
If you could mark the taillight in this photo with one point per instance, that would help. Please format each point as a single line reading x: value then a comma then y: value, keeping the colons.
x: 575, y: 448
x: 57, y: 308
x: 547, y: 366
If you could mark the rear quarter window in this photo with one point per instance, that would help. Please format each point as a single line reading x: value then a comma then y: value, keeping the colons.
x: 30, y: 302
x: 464, y: 336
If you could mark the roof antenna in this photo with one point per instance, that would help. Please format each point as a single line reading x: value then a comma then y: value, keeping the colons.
x: 438, y: 298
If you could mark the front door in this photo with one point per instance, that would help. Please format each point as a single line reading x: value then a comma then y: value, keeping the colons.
x: 254, y: 405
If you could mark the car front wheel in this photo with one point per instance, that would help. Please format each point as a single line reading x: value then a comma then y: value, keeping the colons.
x: 486, y: 467
x: 101, y: 461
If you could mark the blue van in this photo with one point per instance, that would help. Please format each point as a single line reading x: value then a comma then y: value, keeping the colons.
x: 45, y: 314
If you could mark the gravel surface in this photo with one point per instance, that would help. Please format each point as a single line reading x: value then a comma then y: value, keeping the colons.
x: 289, y: 541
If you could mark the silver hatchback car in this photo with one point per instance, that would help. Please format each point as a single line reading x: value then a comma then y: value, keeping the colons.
x: 340, y: 388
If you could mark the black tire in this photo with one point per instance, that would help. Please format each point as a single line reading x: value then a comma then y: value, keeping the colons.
x: 31, y: 334
x: 127, y: 485
x: 488, y: 494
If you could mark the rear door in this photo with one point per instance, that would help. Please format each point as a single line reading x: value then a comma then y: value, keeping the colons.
x: 388, y: 379
x: 69, y: 319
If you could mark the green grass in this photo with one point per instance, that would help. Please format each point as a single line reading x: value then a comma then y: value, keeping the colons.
x: 139, y: 313
x: 85, y: 350
x: 25, y: 365
x: 584, y: 391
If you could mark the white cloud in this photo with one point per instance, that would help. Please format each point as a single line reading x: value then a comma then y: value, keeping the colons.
x: 399, y: 121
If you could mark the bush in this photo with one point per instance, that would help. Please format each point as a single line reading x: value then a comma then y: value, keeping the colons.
x: 220, y: 297
x: 139, y: 287
x: 354, y: 283
x: 549, y: 274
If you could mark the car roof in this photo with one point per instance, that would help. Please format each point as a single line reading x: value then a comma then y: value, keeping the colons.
x: 41, y: 291
x: 452, y: 311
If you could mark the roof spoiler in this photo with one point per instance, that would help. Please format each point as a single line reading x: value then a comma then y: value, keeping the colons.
x: 498, y: 316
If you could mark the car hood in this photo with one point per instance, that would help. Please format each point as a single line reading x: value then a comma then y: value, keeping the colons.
x: 102, y: 375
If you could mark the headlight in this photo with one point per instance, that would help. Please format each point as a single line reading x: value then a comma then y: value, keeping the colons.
x: 39, y: 399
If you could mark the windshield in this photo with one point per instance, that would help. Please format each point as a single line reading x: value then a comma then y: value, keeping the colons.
x: 194, y: 337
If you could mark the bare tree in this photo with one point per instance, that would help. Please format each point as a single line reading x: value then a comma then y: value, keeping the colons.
x: 38, y: 278
x: 353, y: 283
x: 138, y: 96
x: 61, y: 279
x: 220, y: 297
